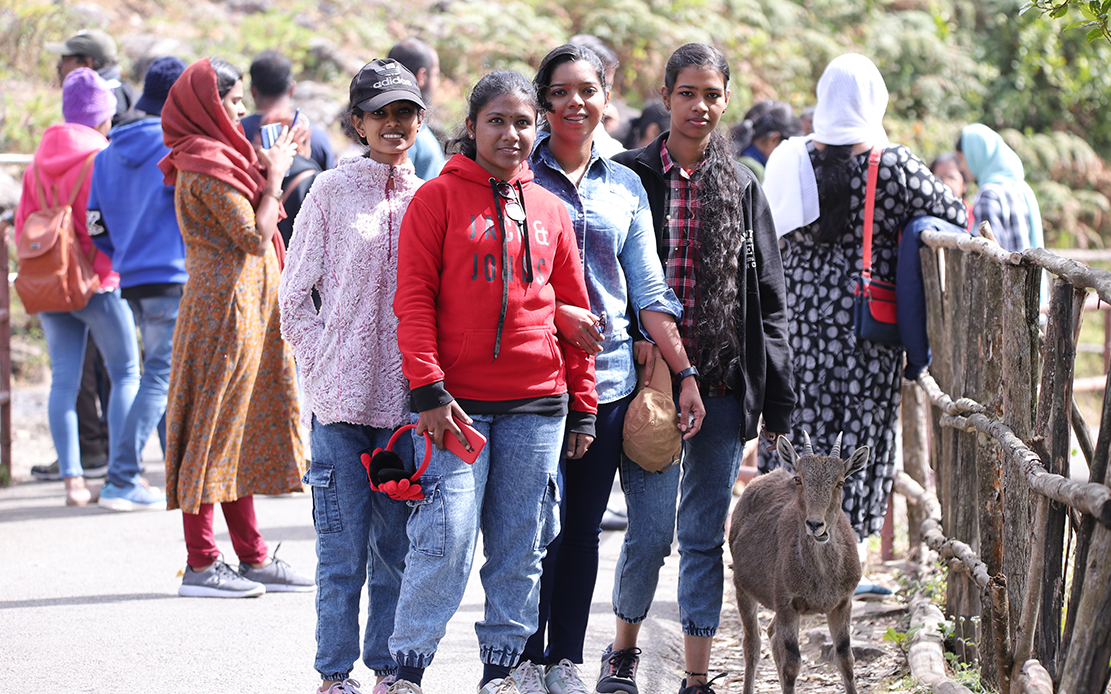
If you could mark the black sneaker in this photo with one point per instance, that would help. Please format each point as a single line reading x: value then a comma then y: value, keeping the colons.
x: 46, y: 473
x: 95, y: 468
x: 700, y: 688
x: 619, y: 671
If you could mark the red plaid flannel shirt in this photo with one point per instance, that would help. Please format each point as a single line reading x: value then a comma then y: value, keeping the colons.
x: 683, y: 252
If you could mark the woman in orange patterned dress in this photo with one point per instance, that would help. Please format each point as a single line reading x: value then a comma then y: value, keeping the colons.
x: 232, y: 413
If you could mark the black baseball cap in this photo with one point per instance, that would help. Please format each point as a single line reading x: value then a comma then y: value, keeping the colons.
x: 382, y: 82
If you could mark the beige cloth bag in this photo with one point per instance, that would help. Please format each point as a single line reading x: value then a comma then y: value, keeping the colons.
x: 651, y: 431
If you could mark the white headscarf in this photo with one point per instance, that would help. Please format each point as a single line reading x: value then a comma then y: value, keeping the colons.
x: 852, y: 100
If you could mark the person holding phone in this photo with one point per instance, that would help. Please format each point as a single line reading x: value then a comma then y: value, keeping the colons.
x: 345, y: 246
x: 484, y: 256
x: 231, y: 418
x: 613, y: 229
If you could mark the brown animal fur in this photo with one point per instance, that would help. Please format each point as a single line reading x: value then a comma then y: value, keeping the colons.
x: 780, y: 562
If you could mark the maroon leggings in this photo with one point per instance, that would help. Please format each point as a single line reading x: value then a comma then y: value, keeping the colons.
x: 200, y: 540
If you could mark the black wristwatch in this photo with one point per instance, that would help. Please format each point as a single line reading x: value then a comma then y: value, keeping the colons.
x: 689, y: 371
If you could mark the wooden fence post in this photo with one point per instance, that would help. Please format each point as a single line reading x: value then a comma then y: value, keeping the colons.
x: 1084, y: 536
x: 960, y: 510
x: 1053, y: 424
x: 1020, y: 387
x: 916, y: 448
x: 985, y: 345
x: 1087, y: 667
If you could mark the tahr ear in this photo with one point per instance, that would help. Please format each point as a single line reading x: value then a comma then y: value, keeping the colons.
x: 787, y: 455
x: 857, y: 461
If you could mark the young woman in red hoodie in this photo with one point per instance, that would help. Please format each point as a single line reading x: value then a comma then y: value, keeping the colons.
x: 483, y: 256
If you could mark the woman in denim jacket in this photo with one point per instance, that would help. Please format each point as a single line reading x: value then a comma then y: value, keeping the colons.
x: 613, y: 226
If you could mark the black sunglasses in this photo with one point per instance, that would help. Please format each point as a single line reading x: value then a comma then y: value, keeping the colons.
x: 513, y: 208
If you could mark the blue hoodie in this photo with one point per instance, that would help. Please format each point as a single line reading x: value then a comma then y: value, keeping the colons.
x: 131, y: 211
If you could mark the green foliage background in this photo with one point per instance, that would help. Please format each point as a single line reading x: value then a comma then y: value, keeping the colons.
x: 946, y: 63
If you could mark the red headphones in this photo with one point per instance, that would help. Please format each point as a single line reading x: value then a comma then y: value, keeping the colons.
x: 386, y: 471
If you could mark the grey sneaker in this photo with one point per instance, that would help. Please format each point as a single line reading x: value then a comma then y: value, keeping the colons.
x: 404, y: 687
x: 563, y: 678
x: 619, y: 671
x: 526, y: 678
x: 217, y: 581
x: 277, y: 576
x: 90, y: 467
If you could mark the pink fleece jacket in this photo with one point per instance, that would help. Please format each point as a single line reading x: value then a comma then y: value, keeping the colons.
x: 59, y: 158
x: 345, y: 245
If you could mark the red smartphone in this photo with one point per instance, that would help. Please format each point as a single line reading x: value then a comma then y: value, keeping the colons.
x: 477, y: 441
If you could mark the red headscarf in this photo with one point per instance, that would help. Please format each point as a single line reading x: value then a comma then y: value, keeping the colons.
x: 201, y: 137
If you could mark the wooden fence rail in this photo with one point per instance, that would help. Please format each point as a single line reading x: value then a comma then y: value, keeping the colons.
x: 1002, y: 411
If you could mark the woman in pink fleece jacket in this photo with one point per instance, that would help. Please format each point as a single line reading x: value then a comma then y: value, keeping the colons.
x: 344, y: 244
x: 88, y: 106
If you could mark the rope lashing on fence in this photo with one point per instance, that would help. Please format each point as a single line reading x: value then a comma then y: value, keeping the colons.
x: 970, y: 244
x: 948, y: 548
x: 941, y: 400
x: 1078, y: 274
x: 1034, y: 679
x: 1090, y: 498
x: 926, y: 652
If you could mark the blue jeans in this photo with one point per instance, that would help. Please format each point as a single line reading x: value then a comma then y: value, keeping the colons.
x: 109, y: 318
x: 571, y: 565
x: 155, y: 316
x: 511, y: 492
x: 705, y: 486
x: 359, y: 533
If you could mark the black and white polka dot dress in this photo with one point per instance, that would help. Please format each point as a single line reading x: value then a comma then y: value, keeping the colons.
x: 846, y: 385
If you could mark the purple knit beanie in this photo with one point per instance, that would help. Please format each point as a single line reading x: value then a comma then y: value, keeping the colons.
x: 86, y: 98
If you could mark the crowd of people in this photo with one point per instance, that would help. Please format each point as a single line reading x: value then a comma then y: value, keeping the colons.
x: 486, y: 315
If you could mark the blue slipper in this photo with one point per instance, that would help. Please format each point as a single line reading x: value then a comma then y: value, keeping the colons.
x: 871, y: 589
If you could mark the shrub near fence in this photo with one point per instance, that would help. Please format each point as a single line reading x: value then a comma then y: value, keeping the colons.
x: 1001, y: 414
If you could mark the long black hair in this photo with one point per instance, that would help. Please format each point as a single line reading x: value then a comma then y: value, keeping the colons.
x: 558, y: 56
x: 490, y: 87
x: 722, y: 240
x: 833, y: 167
x: 226, y: 75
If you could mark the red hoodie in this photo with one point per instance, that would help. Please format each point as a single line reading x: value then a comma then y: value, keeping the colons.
x: 449, y: 298
x: 59, y: 158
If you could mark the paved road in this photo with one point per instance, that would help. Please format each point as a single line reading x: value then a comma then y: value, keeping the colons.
x: 89, y: 600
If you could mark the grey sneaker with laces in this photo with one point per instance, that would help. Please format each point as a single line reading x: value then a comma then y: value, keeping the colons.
x: 619, y: 671
x: 404, y: 687
x: 217, y: 581
x: 563, y: 678
x: 526, y: 678
x: 277, y: 576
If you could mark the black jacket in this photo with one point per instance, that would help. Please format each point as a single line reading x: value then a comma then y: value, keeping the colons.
x: 766, y: 383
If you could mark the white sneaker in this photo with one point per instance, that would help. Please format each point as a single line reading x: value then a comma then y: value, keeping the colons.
x: 490, y: 687
x: 404, y: 687
x: 348, y: 686
x: 526, y: 678
x: 563, y: 678
x: 383, y: 687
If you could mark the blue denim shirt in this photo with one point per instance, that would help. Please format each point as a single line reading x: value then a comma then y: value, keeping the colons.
x: 613, y: 225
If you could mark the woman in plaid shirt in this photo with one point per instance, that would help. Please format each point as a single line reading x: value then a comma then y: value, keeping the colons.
x: 715, y: 236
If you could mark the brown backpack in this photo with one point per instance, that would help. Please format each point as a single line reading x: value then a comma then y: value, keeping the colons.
x: 54, y: 273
